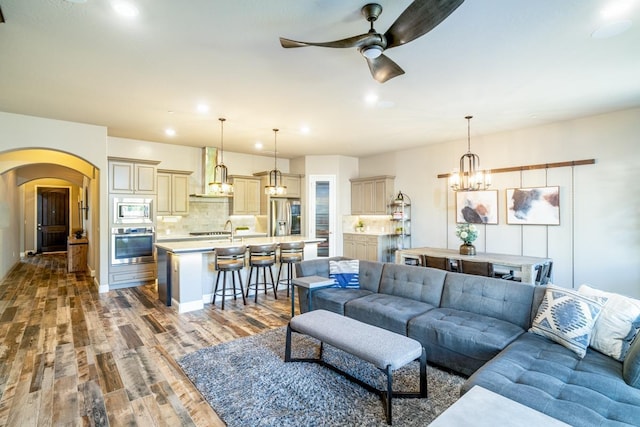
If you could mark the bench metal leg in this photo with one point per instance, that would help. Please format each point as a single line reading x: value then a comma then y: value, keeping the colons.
x: 385, y: 395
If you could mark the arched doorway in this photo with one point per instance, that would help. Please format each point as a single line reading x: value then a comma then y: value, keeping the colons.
x: 22, y: 173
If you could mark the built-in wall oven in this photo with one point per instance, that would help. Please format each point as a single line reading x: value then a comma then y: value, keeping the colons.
x: 132, y: 245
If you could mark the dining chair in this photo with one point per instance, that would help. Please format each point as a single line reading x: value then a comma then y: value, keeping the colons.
x: 544, y: 273
x: 440, y: 263
x: 476, y: 267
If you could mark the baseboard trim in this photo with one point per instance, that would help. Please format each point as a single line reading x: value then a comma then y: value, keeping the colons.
x: 186, y: 307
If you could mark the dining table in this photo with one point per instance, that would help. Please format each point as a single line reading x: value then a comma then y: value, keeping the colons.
x: 526, y: 265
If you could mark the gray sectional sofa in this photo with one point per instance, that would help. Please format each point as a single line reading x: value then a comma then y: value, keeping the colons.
x: 478, y: 326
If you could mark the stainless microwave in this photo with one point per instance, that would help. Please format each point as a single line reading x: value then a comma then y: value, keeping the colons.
x: 132, y: 210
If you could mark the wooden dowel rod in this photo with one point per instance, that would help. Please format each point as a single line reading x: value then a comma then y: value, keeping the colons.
x: 538, y: 166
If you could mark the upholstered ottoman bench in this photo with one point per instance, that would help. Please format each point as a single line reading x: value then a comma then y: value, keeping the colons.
x: 384, y: 349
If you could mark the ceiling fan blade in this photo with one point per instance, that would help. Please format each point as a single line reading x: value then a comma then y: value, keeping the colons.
x: 1, y: 16
x: 382, y: 68
x: 355, y: 41
x: 419, y: 18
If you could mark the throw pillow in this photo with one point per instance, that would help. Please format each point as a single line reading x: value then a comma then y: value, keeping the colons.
x: 617, y: 325
x: 631, y: 364
x: 566, y: 317
x: 345, y: 273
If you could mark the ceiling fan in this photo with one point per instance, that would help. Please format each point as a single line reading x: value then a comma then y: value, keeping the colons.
x: 418, y: 18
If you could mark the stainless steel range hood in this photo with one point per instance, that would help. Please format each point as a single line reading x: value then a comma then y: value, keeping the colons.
x: 209, y: 162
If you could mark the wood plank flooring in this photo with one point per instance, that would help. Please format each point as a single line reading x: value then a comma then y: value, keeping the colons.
x: 71, y: 356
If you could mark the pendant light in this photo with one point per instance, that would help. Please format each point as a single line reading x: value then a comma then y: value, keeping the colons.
x: 275, y: 187
x: 469, y: 177
x: 221, y: 185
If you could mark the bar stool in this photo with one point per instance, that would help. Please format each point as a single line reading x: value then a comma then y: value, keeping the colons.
x: 262, y: 257
x: 229, y: 259
x: 290, y: 253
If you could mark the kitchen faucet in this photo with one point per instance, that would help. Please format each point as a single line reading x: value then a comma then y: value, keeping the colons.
x: 231, y: 227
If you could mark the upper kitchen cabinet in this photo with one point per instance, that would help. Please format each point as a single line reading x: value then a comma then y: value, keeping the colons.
x: 246, y: 196
x: 173, y: 192
x: 132, y: 176
x: 370, y: 196
x: 292, y: 181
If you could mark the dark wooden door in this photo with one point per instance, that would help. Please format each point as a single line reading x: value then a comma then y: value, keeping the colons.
x: 53, y: 219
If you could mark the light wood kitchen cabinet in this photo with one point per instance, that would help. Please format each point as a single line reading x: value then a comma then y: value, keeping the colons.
x: 123, y: 276
x: 293, y: 184
x: 173, y: 192
x: 370, y: 196
x: 364, y: 246
x: 132, y: 176
x: 246, y: 196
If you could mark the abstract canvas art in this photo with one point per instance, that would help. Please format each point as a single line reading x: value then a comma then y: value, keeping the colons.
x: 537, y: 205
x: 477, y: 207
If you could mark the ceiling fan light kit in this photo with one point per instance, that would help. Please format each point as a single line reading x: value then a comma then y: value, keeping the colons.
x: 418, y: 18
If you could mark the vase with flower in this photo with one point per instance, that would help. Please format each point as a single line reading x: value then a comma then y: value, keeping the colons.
x: 467, y: 233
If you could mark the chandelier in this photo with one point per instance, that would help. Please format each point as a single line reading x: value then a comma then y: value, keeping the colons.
x: 221, y: 185
x: 275, y: 187
x: 469, y: 177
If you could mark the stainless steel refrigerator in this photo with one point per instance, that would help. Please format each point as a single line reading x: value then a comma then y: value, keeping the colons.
x: 284, y: 217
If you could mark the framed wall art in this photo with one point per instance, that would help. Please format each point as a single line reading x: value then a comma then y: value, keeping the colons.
x: 533, y: 206
x: 477, y: 207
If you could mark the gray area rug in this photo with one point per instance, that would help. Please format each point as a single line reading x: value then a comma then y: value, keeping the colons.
x: 248, y: 384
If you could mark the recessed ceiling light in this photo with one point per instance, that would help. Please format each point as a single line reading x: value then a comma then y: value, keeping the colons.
x: 126, y: 9
x: 305, y: 130
x: 616, y: 9
x: 170, y: 132
x: 259, y: 145
x: 611, y: 29
x: 371, y: 99
x: 202, y: 108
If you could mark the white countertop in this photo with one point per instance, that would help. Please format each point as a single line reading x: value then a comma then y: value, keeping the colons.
x: 370, y: 233
x: 211, y: 244
x: 189, y: 237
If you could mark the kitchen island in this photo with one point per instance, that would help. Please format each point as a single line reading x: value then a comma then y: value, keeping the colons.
x: 185, y: 268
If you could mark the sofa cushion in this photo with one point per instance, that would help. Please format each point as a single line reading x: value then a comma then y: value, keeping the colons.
x: 345, y: 273
x: 617, y: 325
x: 631, y: 365
x: 567, y: 318
x: 550, y: 378
x: 446, y: 332
x: 501, y: 299
x: 413, y: 282
x: 334, y: 299
x: 385, y: 311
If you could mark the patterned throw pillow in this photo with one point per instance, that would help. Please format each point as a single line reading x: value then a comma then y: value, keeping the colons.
x: 566, y: 317
x: 617, y: 325
x: 345, y: 273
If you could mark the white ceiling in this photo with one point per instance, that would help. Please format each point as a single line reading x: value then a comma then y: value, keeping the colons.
x: 510, y: 63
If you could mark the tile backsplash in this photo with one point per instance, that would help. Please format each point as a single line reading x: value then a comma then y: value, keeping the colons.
x: 205, y: 214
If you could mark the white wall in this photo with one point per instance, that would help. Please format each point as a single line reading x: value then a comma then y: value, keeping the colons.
x: 85, y: 141
x: 598, y: 241
x: 9, y: 214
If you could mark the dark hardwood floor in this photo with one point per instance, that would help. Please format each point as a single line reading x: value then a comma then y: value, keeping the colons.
x: 72, y: 356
